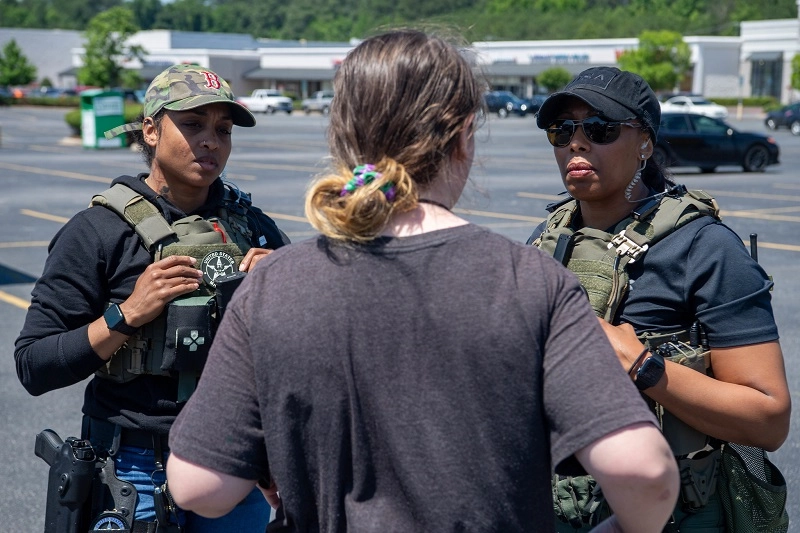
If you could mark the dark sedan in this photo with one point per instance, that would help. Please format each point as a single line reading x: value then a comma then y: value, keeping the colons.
x: 504, y: 102
x: 785, y: 117
x: 691, y: 140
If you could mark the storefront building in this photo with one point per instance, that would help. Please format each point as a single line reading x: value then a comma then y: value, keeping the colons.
x: 756, y: 63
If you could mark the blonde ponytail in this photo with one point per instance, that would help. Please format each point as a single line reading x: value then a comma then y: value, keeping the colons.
x: 343, y: 205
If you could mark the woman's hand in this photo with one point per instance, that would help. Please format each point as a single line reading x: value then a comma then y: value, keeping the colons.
x: 159, y: 284
x: 624, y: 341
x: 253, y: 256
x: 270, y: 492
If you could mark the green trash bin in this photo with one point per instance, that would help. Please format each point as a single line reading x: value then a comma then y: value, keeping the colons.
x: 100, y: 111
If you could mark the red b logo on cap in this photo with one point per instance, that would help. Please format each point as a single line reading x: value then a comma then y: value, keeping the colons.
x: 212, y: 80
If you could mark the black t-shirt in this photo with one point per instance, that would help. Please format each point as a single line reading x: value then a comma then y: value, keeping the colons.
x: 96, y: 258
x: 423, y: 383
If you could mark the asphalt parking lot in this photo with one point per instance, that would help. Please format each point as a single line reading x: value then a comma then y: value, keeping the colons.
x: 47, y: 178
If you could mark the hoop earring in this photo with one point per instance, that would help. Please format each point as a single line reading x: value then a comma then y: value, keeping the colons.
x: 636, y: 178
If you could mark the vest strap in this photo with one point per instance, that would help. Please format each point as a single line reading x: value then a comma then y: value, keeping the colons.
x: 139, y: 213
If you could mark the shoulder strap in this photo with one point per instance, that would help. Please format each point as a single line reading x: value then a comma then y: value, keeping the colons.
x: 560, y: 217
x: 138, y: 212
x: 674, y: 210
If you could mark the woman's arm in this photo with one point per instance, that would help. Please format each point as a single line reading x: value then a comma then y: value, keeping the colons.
x: 639, y: 476
x: 205, y: 491
x: 747, y: 401
x: 65, y: 337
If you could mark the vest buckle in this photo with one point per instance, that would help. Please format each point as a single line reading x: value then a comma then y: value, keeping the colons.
x: 625, y: 246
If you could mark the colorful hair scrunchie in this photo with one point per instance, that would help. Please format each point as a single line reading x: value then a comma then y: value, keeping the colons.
x: 363, y: 175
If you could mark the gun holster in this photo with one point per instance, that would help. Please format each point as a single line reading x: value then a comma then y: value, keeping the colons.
x: 83, y: 491
x: 72, y: 470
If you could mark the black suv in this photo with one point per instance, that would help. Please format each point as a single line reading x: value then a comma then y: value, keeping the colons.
x: 504, y: 102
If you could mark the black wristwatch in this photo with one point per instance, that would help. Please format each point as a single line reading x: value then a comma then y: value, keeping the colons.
x: 115, y: 320
x: 650, y: 373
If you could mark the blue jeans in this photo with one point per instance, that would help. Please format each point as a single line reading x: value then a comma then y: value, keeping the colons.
x: 137, y: 466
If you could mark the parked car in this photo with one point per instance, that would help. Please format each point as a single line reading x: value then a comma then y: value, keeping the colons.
x: 692, y: 140
x: 504, y: 102
x: 694, y: 104
x: 535, y: 103
x: 320, y: 101
x: 133, y: 96
x: 266, y: 101
x: 5, y: 96
x: 785, y: 117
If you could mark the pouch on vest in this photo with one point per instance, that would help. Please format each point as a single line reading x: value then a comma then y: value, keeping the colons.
x: 190, y: 323
x: 602, y: 275
x: 680, y: 347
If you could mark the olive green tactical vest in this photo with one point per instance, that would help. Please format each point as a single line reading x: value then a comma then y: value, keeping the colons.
x: 219, y: 244
x: 599, y: 259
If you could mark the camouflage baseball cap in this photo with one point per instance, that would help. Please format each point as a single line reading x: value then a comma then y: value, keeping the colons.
x: 184, y: 87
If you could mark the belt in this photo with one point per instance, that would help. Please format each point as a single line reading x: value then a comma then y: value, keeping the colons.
x: 103, y: 433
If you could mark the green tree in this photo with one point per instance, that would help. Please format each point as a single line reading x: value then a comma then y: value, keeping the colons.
x: 14, y: 66
x: 796, y: 72
x: 185, y: 15
x: 75, y: 14
x: 106, y: 48
x: 130, y: 79
x: 663, y: 59
x: 145, y: 12
x: 554, y: 79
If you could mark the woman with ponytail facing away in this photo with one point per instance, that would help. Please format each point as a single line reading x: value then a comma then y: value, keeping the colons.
x: 411, y: 371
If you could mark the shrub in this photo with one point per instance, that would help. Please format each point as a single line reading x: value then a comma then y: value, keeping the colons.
x: 73, y: 120
x: 766, y: 102
x: 62, y: 101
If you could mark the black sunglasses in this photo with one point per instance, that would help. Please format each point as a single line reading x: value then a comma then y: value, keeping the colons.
x: 597, y: 130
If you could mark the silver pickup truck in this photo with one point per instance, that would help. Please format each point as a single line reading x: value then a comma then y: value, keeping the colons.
x: 321, y: 101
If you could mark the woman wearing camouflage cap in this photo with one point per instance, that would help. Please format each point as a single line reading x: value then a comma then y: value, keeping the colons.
x: 107, y: 302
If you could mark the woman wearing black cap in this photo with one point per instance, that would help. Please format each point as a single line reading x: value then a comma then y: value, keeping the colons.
x: 657, y: 263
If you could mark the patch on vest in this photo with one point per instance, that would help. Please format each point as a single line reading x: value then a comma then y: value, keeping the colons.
x: 216, y: 265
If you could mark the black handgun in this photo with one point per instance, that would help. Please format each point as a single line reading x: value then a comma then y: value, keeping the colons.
x: 72, y: 469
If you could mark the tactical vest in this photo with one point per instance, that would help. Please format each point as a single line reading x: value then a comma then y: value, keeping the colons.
x: 600, y: 259
x: 177, y: 342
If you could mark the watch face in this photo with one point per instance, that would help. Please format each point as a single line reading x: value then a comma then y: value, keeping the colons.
x: 650, y: 373
x: 113, y: 316
x: 115, y: 320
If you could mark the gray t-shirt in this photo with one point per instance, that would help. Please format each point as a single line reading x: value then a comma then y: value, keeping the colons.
x: 424, y: 383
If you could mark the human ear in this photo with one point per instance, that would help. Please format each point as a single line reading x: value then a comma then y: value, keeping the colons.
x: 150, y: 131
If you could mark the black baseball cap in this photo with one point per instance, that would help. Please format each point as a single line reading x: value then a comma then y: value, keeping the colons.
x: 615, y: 94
